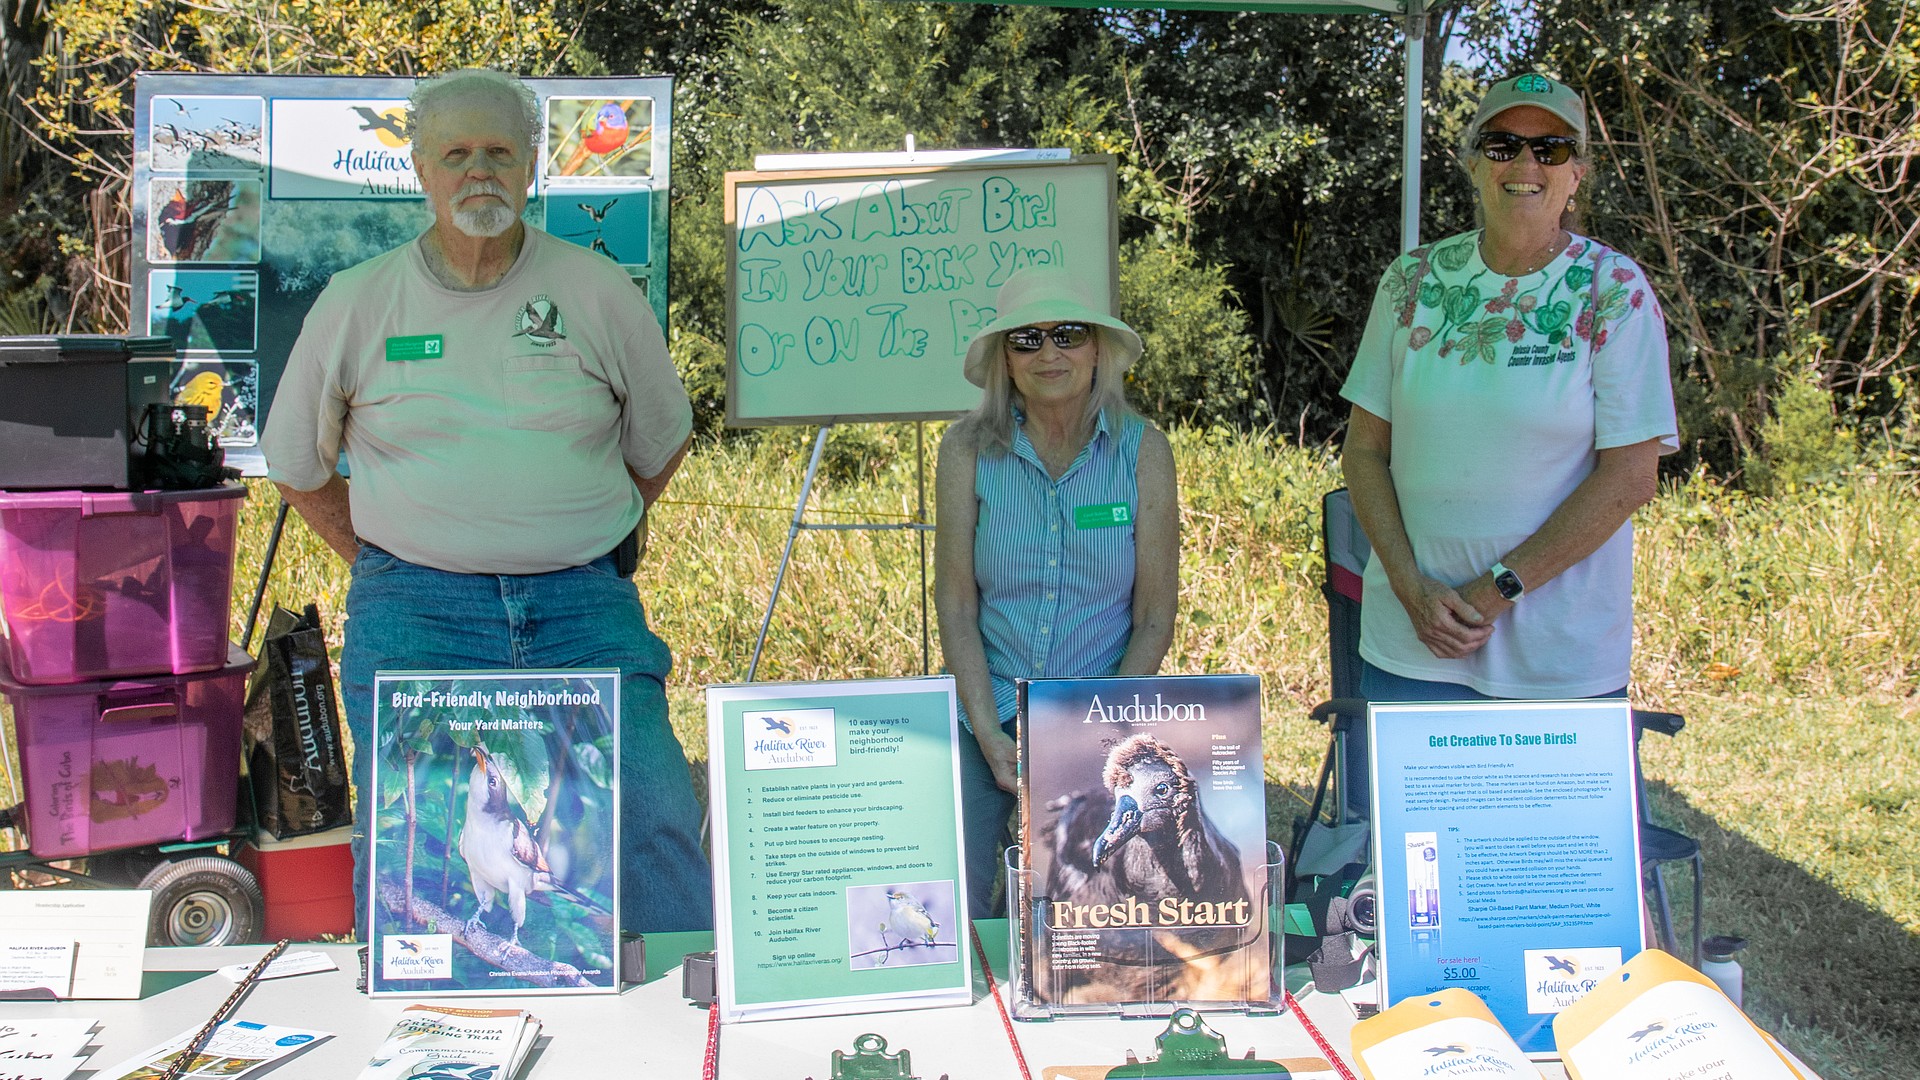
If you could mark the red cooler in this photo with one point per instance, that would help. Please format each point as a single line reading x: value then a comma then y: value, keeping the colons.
x: 308, y: 883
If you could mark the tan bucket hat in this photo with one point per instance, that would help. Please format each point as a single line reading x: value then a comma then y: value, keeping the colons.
x: 1049, y: 294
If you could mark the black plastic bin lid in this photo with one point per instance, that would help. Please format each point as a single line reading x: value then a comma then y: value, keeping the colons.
x: 96, y: 348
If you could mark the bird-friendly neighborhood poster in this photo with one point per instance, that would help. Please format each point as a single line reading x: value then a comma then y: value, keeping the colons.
x: 492, y: 848
x: 250, y: 191
x: 1506, y: 843
x: 1143, y: 802
x: 837, y: 848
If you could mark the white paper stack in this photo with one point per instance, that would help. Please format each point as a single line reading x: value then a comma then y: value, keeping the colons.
x: 458, y: 1042
x: 50, y: 1049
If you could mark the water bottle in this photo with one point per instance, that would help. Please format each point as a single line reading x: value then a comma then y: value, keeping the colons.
x: 1718, y: 964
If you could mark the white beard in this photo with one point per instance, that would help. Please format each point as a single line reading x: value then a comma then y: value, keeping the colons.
x: 487, y: 219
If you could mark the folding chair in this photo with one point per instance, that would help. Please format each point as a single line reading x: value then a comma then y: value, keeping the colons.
x: 1332, y: 840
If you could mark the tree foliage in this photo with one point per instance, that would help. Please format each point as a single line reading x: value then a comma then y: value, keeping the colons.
x: 1756, y: 158
x: 1759, y: 161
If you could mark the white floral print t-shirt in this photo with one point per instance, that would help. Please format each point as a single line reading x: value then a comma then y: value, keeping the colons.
x: 1500, y: 391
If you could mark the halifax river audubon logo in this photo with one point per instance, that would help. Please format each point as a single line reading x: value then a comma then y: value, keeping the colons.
x: 539, y: 322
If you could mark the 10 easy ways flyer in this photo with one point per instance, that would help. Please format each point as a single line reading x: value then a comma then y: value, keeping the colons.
x: 1506, y: 845
x: 837, y: 847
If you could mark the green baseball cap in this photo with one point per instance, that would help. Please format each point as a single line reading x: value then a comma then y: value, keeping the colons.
x: 1540, y: 92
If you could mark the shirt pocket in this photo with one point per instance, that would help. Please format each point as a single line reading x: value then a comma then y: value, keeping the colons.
x: 548, y: 392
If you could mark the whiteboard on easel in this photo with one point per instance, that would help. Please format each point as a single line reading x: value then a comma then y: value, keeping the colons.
x: 853, y: 292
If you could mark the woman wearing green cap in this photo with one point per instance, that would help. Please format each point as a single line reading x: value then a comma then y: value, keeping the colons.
x: 1510, y: 403
x: 1057, y: 539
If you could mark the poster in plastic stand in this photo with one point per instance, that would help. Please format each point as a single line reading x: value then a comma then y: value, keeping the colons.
x: 837, y: 848
x: 496, y: 824
x: 1143, y: 806
x: 1507, y: 849
x: 251, y: 191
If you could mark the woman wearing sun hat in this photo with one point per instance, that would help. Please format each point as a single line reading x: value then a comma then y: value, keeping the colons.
x: 1510, y: 404
x: 1057, y: 537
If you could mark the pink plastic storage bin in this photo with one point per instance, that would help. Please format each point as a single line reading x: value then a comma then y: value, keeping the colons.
x: 101, y: 584
x: 119, y: 764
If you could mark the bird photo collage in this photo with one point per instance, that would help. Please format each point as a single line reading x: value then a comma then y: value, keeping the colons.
x: 202, y: 209
x: 1144, y: 845
x: 494, y: 832
x: 251, y: 191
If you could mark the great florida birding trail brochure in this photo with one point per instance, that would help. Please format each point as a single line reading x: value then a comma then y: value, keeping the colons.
x: 836, y: 848
x: 495, y: 832
x: 1144, y: 845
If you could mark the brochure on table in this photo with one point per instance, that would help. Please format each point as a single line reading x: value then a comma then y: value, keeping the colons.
x: 1507, y: 851
x: 837, y: 848
x: 106, y: 930
x: 495, y: 832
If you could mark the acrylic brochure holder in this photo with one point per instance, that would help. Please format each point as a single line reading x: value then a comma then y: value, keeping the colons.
x: 1156, y: 970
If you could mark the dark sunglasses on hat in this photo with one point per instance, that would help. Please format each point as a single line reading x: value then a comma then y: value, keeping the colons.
x: 1068, y: 335
x: 1505, y: 146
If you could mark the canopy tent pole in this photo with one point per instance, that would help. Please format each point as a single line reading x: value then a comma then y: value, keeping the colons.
x: 1416, y: 30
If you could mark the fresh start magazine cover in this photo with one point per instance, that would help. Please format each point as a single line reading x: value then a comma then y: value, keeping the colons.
x: 1144, y: 842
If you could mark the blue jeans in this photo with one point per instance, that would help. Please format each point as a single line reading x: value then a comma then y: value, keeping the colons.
x: 403, y: 616
x: 985, y: 812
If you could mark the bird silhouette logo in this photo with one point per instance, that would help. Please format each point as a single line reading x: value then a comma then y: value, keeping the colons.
x: 390, y: 125
x: 407, y: 945
x: 779, y: 723
x: 1554, y: 963
x: 1450, y: 1048
x: 539, y: 322
x: 1656, y: 1026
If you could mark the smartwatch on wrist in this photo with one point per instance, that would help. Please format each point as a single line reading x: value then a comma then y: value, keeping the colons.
x: 1506, y: 583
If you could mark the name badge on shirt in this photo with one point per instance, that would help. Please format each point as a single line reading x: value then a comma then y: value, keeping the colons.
x: 423, y: 347
x: 1103, y: 516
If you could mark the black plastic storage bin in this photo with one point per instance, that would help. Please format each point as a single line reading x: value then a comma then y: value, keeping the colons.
x: 70, y: 407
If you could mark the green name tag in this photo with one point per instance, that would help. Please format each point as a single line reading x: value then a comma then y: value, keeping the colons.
x: 424, y: 347
x: 1105, y: 516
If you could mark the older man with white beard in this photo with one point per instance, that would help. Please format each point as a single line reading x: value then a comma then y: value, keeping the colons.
x: 509, y: 410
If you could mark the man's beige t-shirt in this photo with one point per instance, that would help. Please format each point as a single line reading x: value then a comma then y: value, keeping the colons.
x: 486, y: 432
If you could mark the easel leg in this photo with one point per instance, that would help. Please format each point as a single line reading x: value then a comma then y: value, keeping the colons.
x: 920, y: 518
x: 793, y: 531
x: 266, y: 568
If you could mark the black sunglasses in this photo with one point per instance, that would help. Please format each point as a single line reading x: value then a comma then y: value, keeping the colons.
x: 1068, y: 335
x: 1547, y: 149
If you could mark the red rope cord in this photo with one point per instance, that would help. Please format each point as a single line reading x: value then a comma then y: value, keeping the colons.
x: 1006, y: 1021
x: 1319, y: 1040
x: 710, y: 1066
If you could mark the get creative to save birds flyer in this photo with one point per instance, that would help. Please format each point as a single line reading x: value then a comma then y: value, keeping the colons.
x: 495, y: 829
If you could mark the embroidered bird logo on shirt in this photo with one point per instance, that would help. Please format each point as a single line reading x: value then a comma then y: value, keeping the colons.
x: 540, y: 323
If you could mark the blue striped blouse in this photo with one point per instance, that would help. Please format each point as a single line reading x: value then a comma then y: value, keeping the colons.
x: 1054, y: 559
